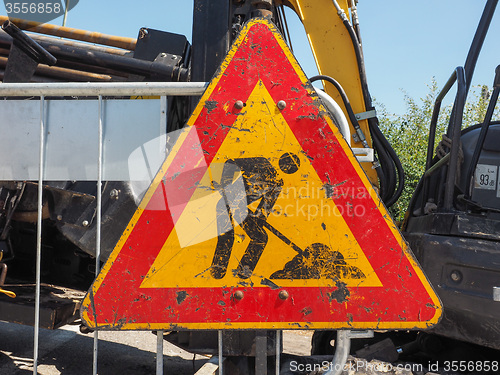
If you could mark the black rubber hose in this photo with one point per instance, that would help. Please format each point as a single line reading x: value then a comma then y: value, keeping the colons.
x: 393, y: 167
x: 352, y: 118
x: 397, y: 163
x: 345, y: 99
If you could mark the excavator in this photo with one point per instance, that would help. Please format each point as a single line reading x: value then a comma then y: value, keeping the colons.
x: 451, y: 224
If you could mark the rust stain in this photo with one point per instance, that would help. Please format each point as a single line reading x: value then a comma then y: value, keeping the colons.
x: 269, y: 283
x: 306, y: 311
x: 210, y: 105
x: 341, y: 295
x: 181, y: 296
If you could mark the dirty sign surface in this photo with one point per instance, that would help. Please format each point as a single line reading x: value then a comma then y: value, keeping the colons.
x: 260, y: 217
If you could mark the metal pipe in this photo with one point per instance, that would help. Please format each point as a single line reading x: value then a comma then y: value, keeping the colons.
x: 76, y: 34
x: 72, y: 43
x: 39, y: 236
x: 122, y: 63
x: 104, y: 89
x: 458, y: 75
x: 278, y: 351
x: 159, y: 353
x: 28, y: 45
x: 65, y: 73
x: 455, y: 132
x: 220, y: 349
x: 91, y: 69
x: 340, y: 11
x: 7, y: 40
x: 477, y: 42
x: 98, y: 213
x: 65, y: 13
x: 435, y: 167
x: 107, y: 60
x: 3, y: 273
x: 342, y: 348
x: 337, y: 113
x: 90, y: 66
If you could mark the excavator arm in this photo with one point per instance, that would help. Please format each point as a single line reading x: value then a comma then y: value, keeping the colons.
x: 336, y: 46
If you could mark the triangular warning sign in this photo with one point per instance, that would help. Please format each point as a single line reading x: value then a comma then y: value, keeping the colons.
x: 260, y: 217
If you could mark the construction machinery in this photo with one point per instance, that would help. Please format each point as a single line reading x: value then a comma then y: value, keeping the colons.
x: 451, y: 223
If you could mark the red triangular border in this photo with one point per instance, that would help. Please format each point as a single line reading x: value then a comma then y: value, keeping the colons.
x: 406, y: 299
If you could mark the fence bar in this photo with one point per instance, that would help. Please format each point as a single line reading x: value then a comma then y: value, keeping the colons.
x: 278, y: 351
x: 98, y: 215
x: 261, y: 352
x: 104, y: 89
x: 159, y: 353
x: 221, y: 359
x: 39, y: 236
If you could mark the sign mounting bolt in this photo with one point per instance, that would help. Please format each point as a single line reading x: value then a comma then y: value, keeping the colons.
x: 283, y: 295
x: 281, y: 105
x: 239, y: 104
x: 238, y: 295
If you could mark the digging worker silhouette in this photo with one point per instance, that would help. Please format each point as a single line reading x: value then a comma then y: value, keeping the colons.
x: 259, y: 180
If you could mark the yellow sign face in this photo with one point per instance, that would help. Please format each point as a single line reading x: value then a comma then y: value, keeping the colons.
x: 187, y: 257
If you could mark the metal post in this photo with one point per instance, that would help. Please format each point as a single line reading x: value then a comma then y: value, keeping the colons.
x: 159, y: 353
x: 278, y: 351
x: 261, y: 352
x: 39, y: 236
x: 98, y: 215
x: 221, y: 359
x: 65, y: 13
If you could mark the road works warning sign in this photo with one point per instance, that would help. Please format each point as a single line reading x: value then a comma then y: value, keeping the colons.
x: 260, y: 217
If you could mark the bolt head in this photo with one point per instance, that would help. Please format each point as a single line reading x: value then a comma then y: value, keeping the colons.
x: 114, y: 194
x: 85, y: 223
x: 456, y: 276
x: 239, y: 104
x: 283, y: 295
x: 59, y: 217
x: 281, y: 105
x: 238, y: 295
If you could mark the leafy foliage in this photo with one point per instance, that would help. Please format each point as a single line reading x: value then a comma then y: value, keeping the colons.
x: 409, y: 133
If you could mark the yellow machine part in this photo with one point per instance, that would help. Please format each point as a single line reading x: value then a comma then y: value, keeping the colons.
x: 334, y: 54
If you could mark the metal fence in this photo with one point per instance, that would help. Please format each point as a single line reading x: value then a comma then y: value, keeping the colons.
x: 89, y: 128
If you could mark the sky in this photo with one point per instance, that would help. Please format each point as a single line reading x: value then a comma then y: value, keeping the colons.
x: 406, y: 43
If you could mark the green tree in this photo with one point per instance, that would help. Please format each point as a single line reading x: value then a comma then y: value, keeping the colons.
x: 409, y: 133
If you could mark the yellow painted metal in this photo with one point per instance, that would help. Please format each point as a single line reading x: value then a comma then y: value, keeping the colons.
x: 186, y: 257
x: 334, y: 54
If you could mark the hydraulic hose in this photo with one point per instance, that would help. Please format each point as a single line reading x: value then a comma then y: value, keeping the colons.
x: 354, y: 122
x: 345, y: 100
x: 390, y: 191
